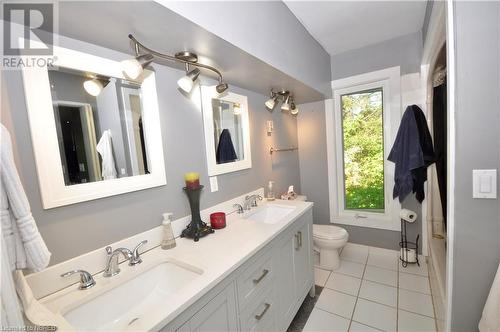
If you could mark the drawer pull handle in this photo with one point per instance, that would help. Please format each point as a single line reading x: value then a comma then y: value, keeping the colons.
x: 259, y: 317
x: 297, y: 241
x: 259, y: 279
x: 300, y: 239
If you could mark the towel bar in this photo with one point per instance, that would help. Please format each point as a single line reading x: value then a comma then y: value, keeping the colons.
x: 272, y: 150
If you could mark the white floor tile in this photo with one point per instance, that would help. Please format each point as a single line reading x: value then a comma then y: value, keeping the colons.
x: 351, y: 269
x: 415, y: 269
x: 377, y: 315
x: 409, y: 322
x: 358, y: 327
x: 320, y: 320
x: 416, y: 302
x: 385, y: 261
x: 379, y: 293
x: 355, y: 253
x: 414, y: 283
x: 320, y: 276
x: 383, y: 251
x: 383, y: 276
x: 336, y: 303
x: 343, y: 283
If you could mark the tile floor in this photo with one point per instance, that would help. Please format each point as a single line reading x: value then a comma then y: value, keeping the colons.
x: 371, y: 291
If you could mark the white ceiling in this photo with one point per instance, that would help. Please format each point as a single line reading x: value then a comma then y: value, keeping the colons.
x: 341, y: 26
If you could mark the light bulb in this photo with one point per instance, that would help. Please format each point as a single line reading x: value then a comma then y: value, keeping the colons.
x: 93, y: 87
x: 131, y: 68
x: 186, y: 83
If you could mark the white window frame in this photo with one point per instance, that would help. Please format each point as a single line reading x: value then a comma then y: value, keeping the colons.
x: 390, y: 81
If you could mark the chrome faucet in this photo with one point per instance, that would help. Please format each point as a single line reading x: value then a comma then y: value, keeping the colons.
x: 86, y: 279
x: 239, y: 208
x: 251, y: 201
x: 133, y: 257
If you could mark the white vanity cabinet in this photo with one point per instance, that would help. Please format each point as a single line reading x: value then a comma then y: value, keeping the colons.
x: 217, y: 315
x: 264, y: 293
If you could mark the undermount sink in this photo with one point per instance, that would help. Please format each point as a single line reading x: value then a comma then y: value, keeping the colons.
x: 120, y: 307
x: 271, y: 214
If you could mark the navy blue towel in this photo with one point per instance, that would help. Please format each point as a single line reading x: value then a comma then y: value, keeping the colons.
x: 225, y: 149
x: 412, y: 153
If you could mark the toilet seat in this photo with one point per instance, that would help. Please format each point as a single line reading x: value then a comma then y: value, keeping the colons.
x: 329, y: 232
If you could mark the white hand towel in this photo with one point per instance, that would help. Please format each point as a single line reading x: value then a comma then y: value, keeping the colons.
x: 11, y: 309
x: 105, y: 149
x: 490, y: 321
x: 25, y: 245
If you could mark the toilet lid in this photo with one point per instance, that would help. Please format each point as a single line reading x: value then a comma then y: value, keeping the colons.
x: 329, y: 232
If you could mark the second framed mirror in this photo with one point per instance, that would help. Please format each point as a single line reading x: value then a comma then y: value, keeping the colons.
x: 227, y: 131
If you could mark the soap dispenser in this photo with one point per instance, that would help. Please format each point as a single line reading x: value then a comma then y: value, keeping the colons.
x: 168, y: 241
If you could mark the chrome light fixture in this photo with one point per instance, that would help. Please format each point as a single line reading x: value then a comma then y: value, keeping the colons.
x: 132, y: 68
x: 288, y: 102
x: 135, y: 66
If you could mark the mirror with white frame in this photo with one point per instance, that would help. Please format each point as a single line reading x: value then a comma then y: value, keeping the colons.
x: 227, y: 131
x: 95, y: 132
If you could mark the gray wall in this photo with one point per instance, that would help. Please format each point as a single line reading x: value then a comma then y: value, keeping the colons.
x: 72, y: 230
x: 404, y: 51
x: 476, y: 243
x: 314, y: 181
x: 267, y: 30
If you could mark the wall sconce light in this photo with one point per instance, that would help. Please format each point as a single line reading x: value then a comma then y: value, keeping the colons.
x: 288, y: 102
x: 134, y: 67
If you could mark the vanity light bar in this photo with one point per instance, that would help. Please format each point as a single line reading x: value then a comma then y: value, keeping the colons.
x: 188, y: 58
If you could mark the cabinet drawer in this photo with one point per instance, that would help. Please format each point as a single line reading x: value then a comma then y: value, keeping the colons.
x: 254, y: 279
x: 260, y: 315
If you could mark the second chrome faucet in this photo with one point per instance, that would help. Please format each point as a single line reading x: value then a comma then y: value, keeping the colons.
x: 133, y: 257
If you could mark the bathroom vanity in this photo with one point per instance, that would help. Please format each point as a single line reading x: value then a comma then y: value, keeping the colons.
x: 264, y: 293
x: 252, y: 275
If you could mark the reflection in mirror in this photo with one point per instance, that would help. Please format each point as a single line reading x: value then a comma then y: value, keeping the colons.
x: 99, y: 122
x: 228, y: 131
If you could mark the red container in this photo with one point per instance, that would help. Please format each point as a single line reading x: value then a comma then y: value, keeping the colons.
x: 218, y: 220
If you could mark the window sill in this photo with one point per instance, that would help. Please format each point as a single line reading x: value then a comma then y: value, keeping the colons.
x: 369, y: 222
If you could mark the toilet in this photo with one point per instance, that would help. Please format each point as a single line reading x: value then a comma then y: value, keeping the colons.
x: 328, y: 240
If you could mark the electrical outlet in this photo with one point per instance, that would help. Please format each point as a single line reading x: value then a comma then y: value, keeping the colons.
x: 214, y: 185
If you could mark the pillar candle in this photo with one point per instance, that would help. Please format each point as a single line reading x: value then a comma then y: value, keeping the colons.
x: 192, y: 180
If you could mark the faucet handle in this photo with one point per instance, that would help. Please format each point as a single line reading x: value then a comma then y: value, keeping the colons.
x: 239, y: 208
x: 136, y: 258
x: 255, y: 198
x: 86, y: 279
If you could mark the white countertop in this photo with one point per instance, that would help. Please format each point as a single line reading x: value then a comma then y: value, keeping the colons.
x: 217, y: 255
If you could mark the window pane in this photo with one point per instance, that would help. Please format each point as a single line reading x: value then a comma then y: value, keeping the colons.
x: 363, y: 149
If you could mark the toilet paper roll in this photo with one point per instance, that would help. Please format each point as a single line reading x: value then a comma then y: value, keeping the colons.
x: 408, y: 215
x: 408, y: 255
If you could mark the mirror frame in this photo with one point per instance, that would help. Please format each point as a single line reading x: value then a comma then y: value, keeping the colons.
x: 208, y: 93
x: 38, y: 96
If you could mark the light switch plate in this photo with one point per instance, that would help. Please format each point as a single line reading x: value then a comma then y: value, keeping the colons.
x: 484, y: 183
x: 214, y: 185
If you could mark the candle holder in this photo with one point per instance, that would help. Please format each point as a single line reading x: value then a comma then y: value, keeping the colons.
x: 196, y: 228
